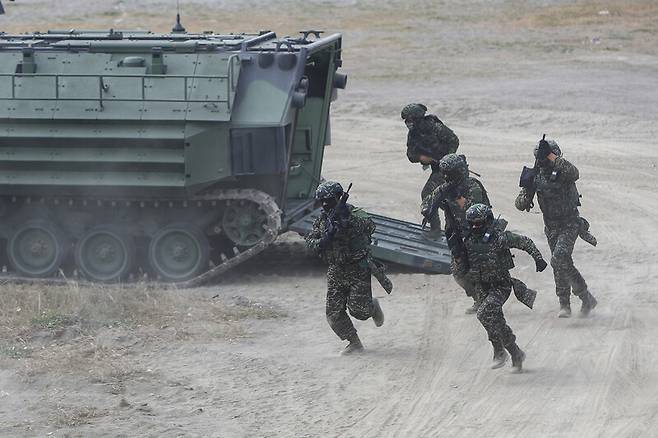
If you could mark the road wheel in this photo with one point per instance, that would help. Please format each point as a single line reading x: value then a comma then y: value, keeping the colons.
x: 244, y: 223
x: 105, y: 254
x: 36, y: 248
x: 179, y: 252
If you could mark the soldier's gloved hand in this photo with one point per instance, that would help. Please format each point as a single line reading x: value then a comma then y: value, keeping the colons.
x: 540, y: 264
x: 425, y: 211
x: 331, y: 230
x: 543, y: 150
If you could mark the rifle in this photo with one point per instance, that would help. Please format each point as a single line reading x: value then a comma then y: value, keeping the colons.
x: 528, y: 174
x: 331, y: 226
x: 448, y: 188
x: 454, y: 236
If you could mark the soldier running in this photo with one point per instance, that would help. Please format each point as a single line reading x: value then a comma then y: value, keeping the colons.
x: 553, y: 179
x: 487, y: 250
x: 341, y: 235
x: 461, y: 191
x: 428, y: 141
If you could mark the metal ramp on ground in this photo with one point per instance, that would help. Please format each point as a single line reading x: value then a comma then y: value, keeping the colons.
x: 399, y: 242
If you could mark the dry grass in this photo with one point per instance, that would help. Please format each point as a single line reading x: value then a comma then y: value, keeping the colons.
x: 36, y: 316
x: 88, y: 308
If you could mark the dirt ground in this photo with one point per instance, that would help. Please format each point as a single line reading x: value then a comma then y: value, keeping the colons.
x: 253, y: 355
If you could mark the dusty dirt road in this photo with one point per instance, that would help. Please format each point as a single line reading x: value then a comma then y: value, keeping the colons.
x: 265, y: 364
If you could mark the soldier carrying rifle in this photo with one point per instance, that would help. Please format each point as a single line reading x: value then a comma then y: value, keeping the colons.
x: 455, y: 196
x: 428, y: 141
x: 341, y: 235
x: 553, y: 179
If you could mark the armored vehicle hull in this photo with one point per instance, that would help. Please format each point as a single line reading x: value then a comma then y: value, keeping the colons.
x: 174, y: 154
x: 177, y: 156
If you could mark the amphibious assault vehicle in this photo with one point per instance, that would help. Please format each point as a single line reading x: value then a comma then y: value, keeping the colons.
x: 180, y: 154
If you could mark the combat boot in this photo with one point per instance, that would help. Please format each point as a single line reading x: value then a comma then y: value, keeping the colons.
x: 355, y: 345
x: 500, y: 356
x: 377, y: 313
x: 518, y: 356
x: 589, y: 302
x: 565, y: 309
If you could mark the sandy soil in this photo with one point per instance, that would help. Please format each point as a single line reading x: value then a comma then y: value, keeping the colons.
x: 253, y: 356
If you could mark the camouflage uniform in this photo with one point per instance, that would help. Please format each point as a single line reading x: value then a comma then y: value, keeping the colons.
x: 348, y: 275
x: 559, y: 200
x: 429, y: 136
x: 490, y: 263
x: 473, y: 192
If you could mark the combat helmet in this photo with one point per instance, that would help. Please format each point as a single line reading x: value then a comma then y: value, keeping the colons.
x: 413, y: 111
x: 479, y: 217
x: 454, y: 167
x: 328, y: 190
x: 552, y: 144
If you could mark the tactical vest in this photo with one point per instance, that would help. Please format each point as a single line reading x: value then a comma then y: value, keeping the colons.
x: 489, y: 261
x: 556, y: 200
x: 349, y: 245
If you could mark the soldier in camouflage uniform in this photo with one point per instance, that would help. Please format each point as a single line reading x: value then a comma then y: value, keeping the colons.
x: 344, y: 243
x: 460, y: 191
x: 555, y: 186
x: 428, y: 141
x: 490, y: 259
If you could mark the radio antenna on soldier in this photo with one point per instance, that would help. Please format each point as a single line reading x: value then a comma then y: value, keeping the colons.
x: 178, y: 27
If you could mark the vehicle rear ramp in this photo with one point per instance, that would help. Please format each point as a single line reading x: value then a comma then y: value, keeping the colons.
x: 399, y: 242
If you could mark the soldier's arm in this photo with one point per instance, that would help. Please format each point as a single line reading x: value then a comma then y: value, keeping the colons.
x: 314, y: 236
x: 524, y: 199
x: 523, y: 243
x: 413, y: 155
x: 440, y: 191
x: 412, y: 152
x: 567, y: 171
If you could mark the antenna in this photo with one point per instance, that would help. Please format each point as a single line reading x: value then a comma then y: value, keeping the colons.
x: 178, y: 27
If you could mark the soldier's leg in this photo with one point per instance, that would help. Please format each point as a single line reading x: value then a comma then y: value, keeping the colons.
x: 564, y: 259
x: 562, y: 283
x: 434, y: 181
x: 490, y: 314
x: 459, y: 274
x: 359, y: 301
x: 337, y: 296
